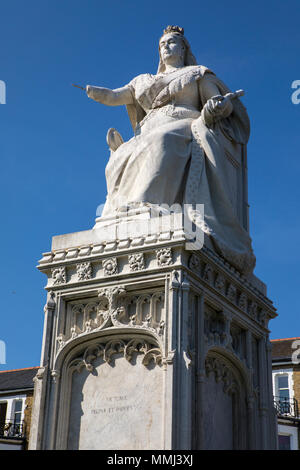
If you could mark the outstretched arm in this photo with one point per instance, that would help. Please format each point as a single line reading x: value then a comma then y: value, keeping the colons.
x: 116, y: 97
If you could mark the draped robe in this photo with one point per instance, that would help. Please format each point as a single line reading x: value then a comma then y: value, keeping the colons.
x: 175, y: 158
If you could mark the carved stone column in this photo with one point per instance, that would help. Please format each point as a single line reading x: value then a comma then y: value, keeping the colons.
x: 250, y: 401
x: 183, y: 371
x: 263, y: 395
x: 200, y: 373
x: 48, y: 328
x: 37, y: 416
x: 40, y: 381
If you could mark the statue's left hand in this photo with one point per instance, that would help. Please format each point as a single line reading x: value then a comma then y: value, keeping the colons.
x: 216, y: 108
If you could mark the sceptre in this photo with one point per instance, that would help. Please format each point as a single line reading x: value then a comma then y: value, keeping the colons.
x: 78, y: 86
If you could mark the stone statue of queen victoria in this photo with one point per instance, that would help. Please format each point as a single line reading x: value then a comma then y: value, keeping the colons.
x: 190, y: 135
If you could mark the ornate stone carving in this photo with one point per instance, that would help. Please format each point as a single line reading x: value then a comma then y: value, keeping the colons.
x: 116, y: 308
x: 231, y: 293
x: 161, y: 327
x: 61, y: 340
x: 243, y: 301
x: 238, y: 341
x: 215, y: 330
x: 253, y: 310
x: 50, y: 304
x: 145, y: 311
x: 55, y: 376
x: 84, y: 271
x: 110, y: 266
x: 40, y: 374
x: 194, y: 263
x: 78, y: 321
x: 170, y: 357
x: 114, y: 311
x: 164, y: 256
x: 208, y: 274
x: 220, y: 282
x: 175, y: 282
x: 59, y: 275
x: 222, y: 373
x: 136, y: 262
x: 128, y: 349
x: 188, y: 357
x: 262, y: 317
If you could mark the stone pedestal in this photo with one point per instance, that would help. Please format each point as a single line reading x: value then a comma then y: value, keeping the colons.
x: 150, y: 345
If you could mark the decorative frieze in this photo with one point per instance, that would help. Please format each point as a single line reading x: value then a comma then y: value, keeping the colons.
x: 108, y: 350
x: 84, y: 251
x: 164, y: 256
x: 72, y: 253
x: 59, y: 275
x: 227, y: 282
x: 253, y: 309
x: 243, y: 301
x: 59, y: 255
x: 136, y: 262
x: 97, y: 249
x: 84, y: 271
x: 110, y: 266
x: 115, y: 308
x: 215, y: 330
x: 220, y: 282
x: 238, y: 341
x: 194, y: 263
x: 231, y: 293
x: 263, y: 318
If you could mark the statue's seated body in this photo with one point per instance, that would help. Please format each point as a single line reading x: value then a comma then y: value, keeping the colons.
x: 188, y: 147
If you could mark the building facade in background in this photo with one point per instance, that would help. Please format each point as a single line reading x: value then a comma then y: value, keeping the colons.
x: 16, y: 395
x: 286, y: 391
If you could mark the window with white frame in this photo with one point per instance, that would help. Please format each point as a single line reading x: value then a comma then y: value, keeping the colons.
x: 12, y: 408
x: 18, y: 408
x: 287, y: 437
x: 283, y: 390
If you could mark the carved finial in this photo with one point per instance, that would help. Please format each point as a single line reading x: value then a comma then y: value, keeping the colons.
x: 174, y: 29
x: 50, y: 305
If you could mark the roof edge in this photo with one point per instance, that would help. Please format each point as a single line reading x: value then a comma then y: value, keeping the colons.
x: 284, y: 339
x: 17, y: 370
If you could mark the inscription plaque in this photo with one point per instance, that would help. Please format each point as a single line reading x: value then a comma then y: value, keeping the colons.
x: 118, y: 406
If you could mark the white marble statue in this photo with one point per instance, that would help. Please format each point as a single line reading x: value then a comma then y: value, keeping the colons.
x: 182, y: 126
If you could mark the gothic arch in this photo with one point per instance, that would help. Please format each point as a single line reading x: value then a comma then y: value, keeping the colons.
x: 226, y: 391
x: 86, y: 355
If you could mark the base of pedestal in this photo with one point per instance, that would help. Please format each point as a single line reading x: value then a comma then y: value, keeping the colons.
x: 149, y: 345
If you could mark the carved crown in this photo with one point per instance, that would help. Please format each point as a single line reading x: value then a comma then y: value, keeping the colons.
x: 174, y: 29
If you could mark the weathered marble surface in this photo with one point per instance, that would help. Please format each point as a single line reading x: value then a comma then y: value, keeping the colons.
x: 218, y: 417
x: 113, y: 409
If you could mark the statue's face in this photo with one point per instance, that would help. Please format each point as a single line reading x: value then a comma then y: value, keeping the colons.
x: 171, y: 48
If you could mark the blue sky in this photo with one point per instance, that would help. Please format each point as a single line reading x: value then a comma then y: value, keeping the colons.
x: 53, y: 150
